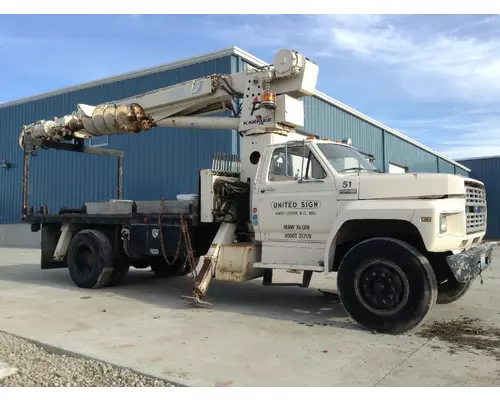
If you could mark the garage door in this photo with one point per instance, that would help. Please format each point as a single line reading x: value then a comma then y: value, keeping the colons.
x: 396, y: 169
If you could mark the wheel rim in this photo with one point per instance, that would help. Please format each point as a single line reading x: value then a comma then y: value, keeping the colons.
x: 84, y: 259
x: 382, y: 287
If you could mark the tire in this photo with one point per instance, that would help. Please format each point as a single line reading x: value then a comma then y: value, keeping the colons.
x: 90, y: 259
x: 452, y: 290
x: 162, y: 270
x: 386, y: 269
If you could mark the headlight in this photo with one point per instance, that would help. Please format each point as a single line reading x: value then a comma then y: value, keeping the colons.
x: 443, y: 223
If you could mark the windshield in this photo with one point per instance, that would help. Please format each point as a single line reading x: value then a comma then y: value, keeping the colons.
x: 345, y: 159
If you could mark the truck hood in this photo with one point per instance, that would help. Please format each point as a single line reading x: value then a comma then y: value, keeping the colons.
x: 408, y: 186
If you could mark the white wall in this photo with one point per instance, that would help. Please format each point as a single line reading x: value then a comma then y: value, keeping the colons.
x: 396, y: 169
x: 19, y: 235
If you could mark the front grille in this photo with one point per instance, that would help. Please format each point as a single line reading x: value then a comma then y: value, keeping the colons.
x: 475, y: 196
x: 475, y: 207
x: 476, y: 223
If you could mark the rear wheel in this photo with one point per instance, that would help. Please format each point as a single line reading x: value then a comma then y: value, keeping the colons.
x: 452, y: 290
x: 90, y: 259
x: 386, y: 285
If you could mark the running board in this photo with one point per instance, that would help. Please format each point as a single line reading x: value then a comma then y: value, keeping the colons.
x: 315, y: 268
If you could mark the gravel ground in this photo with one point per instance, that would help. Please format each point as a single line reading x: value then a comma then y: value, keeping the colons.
x: 37, y: 367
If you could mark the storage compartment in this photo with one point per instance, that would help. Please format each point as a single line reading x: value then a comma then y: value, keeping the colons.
x: 145, y: 240
x: 236, y: 261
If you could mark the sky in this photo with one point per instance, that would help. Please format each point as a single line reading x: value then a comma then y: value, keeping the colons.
x: 435, y: 78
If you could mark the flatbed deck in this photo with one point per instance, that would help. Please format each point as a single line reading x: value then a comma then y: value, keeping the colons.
x: 119, y: 213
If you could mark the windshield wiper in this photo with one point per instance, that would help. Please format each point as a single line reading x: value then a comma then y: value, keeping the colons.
x: 360, y: 169
x: 354, y: 169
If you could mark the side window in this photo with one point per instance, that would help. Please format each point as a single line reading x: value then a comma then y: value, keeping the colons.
x: 314, y: 169
x: 294, y: 163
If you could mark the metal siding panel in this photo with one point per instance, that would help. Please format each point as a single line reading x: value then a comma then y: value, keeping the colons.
x: 446, y: 167
x: 486, y: 171
x: 159, y: 163
x: 460, y: 171
x: 406, y: 154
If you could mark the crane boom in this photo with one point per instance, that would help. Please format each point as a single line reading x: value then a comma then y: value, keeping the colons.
x: 261, y: 100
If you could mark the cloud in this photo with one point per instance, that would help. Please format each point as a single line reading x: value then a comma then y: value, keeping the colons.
x: 239, y: 31
x: 473, y: 133
x: 428, y: 62
x: 432, y: 58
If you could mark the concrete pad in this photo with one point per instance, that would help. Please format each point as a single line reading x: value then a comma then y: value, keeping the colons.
x: 252, y: 336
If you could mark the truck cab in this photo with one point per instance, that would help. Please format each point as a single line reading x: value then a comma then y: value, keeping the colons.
x: 296, y: 198
x: 319, y: 205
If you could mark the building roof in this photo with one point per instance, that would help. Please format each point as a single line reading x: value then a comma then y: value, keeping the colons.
x: 477, y: 158
x: 251, y: 59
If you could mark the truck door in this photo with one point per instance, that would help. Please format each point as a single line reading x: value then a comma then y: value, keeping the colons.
x: 294, y: 206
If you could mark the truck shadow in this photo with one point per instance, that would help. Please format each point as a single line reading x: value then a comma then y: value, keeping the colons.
x: 305, y: 306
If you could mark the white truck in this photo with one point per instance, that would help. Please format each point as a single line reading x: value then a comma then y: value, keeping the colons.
x: 398, y: 243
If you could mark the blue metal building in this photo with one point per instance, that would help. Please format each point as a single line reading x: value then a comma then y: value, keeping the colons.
x: 165, y: 161
x: 485, y: 169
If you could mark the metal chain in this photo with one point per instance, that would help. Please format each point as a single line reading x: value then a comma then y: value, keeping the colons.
x: 189, y: 247
x: 184, y: 233
x: 160, y: 226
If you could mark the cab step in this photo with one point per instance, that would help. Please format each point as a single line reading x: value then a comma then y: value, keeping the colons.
x: 268, y: 279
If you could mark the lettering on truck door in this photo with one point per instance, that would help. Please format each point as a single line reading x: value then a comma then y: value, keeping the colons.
x: 291, y: 213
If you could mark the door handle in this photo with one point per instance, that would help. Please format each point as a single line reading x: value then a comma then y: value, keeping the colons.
x: 269, y: 189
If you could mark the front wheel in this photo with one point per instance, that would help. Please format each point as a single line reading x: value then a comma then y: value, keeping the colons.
x: 386, y: 285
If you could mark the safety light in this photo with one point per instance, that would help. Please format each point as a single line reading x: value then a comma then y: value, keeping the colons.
x: 268, y: 99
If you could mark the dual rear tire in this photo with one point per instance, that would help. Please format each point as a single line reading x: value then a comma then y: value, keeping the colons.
x: 91, y: 260
x: 93, y: 263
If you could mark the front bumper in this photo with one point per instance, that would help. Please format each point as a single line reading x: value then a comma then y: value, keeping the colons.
x: 468, y: 264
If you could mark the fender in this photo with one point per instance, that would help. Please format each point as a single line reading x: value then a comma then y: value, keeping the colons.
x: 367, y: 209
